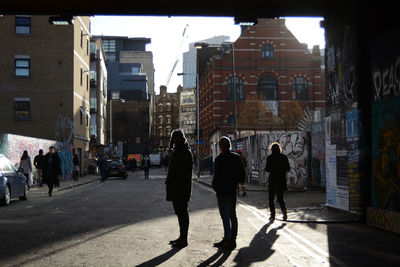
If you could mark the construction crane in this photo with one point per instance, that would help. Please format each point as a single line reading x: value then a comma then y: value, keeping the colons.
x: 177, y: 56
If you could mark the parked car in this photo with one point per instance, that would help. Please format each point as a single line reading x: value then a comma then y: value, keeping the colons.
x: 13, y: 183
x: 116, y: 168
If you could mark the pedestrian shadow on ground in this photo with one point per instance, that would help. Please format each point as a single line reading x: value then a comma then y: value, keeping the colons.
x: 160, y: 259
x: 225, y: 255
x: 260, y: 247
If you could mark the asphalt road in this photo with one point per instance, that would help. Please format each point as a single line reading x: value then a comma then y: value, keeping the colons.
x: 129, y: 223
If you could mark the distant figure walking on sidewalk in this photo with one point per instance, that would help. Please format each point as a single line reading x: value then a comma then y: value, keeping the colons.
x: 26, y: 165
x: 51, y: 170
x: 228, y: 173
x: 38, y: 161
x: 277, y: 166
x: 101, y: 163
x: 146, y: 166
x: 179, y: 184
x: 75, y: 160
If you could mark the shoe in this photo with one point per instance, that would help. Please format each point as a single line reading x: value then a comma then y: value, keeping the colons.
x: 230, y: 245
x: 272, y: 217
x: 181, y: 243
x: 173, y: 241
x: 221, y: 243
x: 284, y: 216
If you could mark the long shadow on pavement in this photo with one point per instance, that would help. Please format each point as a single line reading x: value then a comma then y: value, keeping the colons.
x: 260, y: 247
x: 160, y: 259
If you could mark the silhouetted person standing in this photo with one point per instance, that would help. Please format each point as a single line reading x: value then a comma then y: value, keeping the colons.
x: 277, y: 166
x: 228, y: 173
x: 51, y: 170
x: 179, y: 183
x: 39, y: 164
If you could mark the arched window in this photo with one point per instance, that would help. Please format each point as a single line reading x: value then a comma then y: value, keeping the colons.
x: 267, y: 51
x: 300, y: 88
x: 268, y: 88
x: 238, y: 86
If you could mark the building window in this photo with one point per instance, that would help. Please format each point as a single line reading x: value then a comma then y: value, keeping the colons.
x: 22, y: 109
x: 22, y: 67
x: 115, y: 95
x: 22, y: 25
x: 81, y: 78
x: 268, y: 88
x: 135, y: 70
x: 87, y: 82
x: 267, y: 51
x: 81, y: 39
x: 300, y: 88
x: 80, y: 116
x: 110, y: 49
x: 239, y: 88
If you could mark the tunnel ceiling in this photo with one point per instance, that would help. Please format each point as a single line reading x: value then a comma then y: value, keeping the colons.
x: 249, y: 8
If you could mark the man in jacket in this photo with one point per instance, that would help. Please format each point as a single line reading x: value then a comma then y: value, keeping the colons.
x: 51, y: 170
x: 39, y: 164
x: 179, y: 184
x: 277, y: 166
x: 228, y: 173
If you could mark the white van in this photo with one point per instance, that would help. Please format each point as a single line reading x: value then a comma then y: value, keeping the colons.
x: 155, y: 160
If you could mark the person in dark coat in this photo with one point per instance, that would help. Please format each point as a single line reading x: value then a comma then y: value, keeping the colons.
x: 101, y: 163
x: 179, y: 183
x: 76, y: 168
x: 228, y: 173
x: 277, y: 166
x: 51, y: 169
x: 39, y: 164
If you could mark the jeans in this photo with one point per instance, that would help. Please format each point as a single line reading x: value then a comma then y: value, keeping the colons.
x: 227, y: 210
x: 180, y: 208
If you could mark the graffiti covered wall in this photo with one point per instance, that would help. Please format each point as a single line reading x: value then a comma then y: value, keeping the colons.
x: 344, y: 156
x: 294, y: 146
x: 385, y: 131
x: 318, y: 154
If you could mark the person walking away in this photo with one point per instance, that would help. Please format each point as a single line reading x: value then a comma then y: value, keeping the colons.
x: 75, y: 161
x: 244, y: 162
x: 38, y: 162
x: 26, y: 165
x: 51, y: 170
x: 179, y: 184
x: 228, y: 173
x: 166, y: 162
x: 277, y: 165
x: 134, y: 165
x: 146, y: 166
x: 101, y: 164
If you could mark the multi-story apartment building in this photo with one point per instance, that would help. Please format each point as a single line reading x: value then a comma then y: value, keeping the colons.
x: 131, y: 92
x: 166, y: 116
x: 187, y: 114
x: 98, y: 97
x: 275, y: 79
x: 44, y: 80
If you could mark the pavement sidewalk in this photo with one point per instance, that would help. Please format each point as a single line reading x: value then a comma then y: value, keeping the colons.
x: 308, y: 210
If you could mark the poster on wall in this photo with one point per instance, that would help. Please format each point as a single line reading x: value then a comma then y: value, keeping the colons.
x: 385, y: 121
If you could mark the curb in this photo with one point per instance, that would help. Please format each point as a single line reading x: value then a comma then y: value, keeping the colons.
x: 71, y: 186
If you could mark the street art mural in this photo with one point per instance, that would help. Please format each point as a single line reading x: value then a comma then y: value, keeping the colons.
x: 64, y: 132
x: 294, y: 146
x: 385, y: 131
x: 318, y: 154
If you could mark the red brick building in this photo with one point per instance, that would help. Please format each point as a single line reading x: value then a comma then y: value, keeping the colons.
x: 274, y: 73
x: 166, y: 117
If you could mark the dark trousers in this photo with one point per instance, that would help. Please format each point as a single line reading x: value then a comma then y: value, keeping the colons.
x: 279, y: 195
x: 227, y: 210
x: 180, y: 208
x: 146, y: 173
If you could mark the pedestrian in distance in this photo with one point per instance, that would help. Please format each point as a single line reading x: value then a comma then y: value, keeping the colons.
x: 101, y: 164
x: 179, y: 184
x: 38, y: 161
x: 166, y: 162
x: 26, y: 165
x: 277, y: 165
x: 76, y: 168
x: 228, y: 173
x: 146, y: 166
x: 51, y: 170
x: 134, y: 165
